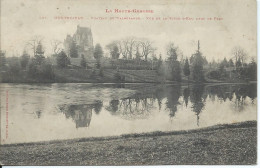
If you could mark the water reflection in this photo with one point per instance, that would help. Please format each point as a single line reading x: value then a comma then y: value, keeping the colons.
x: 132, y: 108
x: 87, y: 110
x: 198, y: 99
x: 173, y: 94
x: 81, y: 114
x: 141, y: 104
x: 98, y: 106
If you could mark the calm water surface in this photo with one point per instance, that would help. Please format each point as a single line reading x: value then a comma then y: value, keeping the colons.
x: 41, y: 112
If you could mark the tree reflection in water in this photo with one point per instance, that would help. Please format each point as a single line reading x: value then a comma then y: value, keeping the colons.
x: 186, y: 95
x: 173, y: 94
x: 145, y: 101
x: 98, y: 106
x: 131, y: 108
x: 197, y: 100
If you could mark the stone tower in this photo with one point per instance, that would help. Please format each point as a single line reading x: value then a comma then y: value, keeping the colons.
x: 84, y: 41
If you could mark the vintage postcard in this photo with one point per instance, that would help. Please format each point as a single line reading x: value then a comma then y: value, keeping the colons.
x: 151, y: 82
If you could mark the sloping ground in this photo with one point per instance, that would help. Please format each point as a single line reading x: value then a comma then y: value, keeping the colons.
x: 83, y: 75
x: 134, y: 75
x: 217, y: 145
x: 75, y: 75
x: 79, y: 75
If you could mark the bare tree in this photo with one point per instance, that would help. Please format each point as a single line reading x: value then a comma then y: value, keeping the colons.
x: 33, y: 43
x: 56, y: 46
x: 123, y: 48
x: 129, y: 46
x: 239, y: 54
x: 146, y: 48
x: 131, y: 42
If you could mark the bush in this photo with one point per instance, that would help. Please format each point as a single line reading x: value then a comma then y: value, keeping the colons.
x: 24, y: 60
x: 14, y: 66
x: 44, y: 71
x: 101, y: 74
x: 83, y: 62
x: 214, y: 75
x: 32, y: 68
x: 117, y: 77
x: 93, y: 74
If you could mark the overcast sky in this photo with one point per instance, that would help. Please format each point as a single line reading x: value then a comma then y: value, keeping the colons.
x: 20, y: 21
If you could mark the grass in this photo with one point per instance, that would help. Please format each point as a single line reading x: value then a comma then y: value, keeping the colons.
x: 221, y: 144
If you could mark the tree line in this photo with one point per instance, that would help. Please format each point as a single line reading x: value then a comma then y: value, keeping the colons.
x: 133, y: 51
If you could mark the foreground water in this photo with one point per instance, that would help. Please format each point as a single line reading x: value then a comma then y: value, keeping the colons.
x: 32, y: 113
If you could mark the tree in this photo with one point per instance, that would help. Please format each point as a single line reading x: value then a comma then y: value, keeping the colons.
x: 160, y: 68
x: 115, y: 52
x: 174, y: 65
x: 146, y: 48
x: 46, y: 71
x: 123, y: 48
x: 186, y: 68
x: 33, y: 43
x: 131, y: 42
x: 73, y: 50
x: 176, y: 71
x: 154, y: 57
x: 32, y: 68
x: 230, y: 63
x: 172, y: 52
x: 24, y: 59
x: 2, y: 58
x: 239, y: 55
x: 137, y: 54
x: 62, y: 60
x: 83, y: 62
x: 252, y: 70
x: 224, y: 63
x: 127, y: 46
x: 98, y: 54
x: 197, y: 65
x: 14, y: 66
x: 39, y: 54
x: 113, y: 49
x: 56, y: 46
x: 238, y: 63
x: 41, y: 72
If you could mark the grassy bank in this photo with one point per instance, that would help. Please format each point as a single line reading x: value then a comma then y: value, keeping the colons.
x: 222, y: 144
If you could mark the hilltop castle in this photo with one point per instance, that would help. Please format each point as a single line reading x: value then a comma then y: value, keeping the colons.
x: 84, y: 42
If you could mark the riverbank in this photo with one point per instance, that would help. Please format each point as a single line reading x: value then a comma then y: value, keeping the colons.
x: 221, y: 144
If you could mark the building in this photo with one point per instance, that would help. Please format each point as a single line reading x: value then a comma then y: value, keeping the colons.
x: 84, y: 42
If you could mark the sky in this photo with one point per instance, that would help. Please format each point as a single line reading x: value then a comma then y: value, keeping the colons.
x: 22, y: 20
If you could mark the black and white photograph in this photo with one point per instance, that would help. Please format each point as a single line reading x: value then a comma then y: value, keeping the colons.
x: 128, y: 83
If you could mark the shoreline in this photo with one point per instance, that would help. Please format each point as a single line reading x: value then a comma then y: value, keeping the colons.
x: 246, y: 124
x: 228, y: 144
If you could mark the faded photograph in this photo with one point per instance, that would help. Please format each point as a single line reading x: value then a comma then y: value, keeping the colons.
x: 128, y: 83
